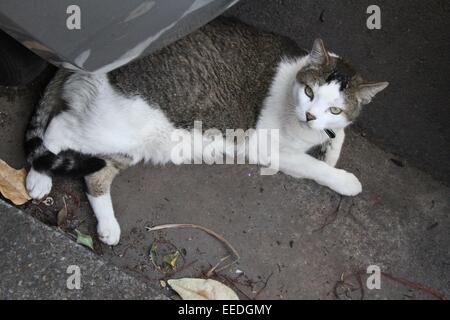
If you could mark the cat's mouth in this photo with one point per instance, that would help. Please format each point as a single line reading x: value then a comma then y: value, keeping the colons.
x: 330, y: 133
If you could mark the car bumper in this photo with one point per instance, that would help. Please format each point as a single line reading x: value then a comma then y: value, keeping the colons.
x: 111, y: 32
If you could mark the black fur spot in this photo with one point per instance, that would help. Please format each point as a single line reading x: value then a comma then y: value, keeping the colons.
x: 92, y: 165
x: 68, y: 163
x: 45, y: 162
x: 72, y: 163
x: 341, y: 78
x: 32, y: 144
x: 342, y: 73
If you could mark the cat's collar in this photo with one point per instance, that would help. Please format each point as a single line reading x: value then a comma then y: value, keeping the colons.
x: 330, y: 133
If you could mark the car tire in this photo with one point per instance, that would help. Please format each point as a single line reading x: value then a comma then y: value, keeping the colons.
x: 18, y: 65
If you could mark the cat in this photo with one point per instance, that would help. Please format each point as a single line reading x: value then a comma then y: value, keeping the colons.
x: 226, y: 74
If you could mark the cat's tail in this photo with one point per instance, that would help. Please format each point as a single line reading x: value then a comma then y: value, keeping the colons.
x: 67, y: 162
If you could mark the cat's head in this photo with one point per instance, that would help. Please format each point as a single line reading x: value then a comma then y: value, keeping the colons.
x: 328, y: 93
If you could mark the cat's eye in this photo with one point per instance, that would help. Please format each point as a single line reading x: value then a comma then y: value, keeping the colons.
x: 309, y: 92
x: 335, y: 110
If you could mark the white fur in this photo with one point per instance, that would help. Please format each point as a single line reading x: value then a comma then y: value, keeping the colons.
x: 108, y: 228
x: 324, y: 97
x: 38, y: 185
x: 334, y: 149
x: 110, y: 123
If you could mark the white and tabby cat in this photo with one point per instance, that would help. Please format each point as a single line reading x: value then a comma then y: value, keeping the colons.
x: 226, y: 75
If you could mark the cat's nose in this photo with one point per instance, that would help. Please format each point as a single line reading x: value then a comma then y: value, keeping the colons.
x: 310, y: 117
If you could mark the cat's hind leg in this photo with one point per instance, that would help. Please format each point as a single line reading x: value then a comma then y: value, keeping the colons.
x: 99, y: 196
x: 42, y: 156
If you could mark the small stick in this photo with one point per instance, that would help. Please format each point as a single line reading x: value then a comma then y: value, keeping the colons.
x: 213, y: 269
x: 415, y: 285
x: 331, y: 217
x: 264, y: 286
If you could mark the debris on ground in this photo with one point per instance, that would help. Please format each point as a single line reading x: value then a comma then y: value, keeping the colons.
x: 163, y: 252
x: 85, y: 240
x: 165, y: 257
x: 322, y: 16
x: 221, y: 263
x: 12, y: 184
x: 331, y: 218
x: 49, y: 202
x: 349, y: 287
x: 201, y: 289
x: 398, y: 163
x: 415, y: 285
x: 61, y: 217
x: 171, y: 259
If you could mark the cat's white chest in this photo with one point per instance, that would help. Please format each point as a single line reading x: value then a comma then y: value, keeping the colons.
x: 302, y: 138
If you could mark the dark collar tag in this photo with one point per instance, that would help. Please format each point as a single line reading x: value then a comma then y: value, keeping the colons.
x: 330, y: 133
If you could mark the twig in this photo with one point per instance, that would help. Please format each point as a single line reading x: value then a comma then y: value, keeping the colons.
x: 360, y: 282
x: 213, y: 269
x: 208, y: 231
x: 415, y: 285
x: 263, y: 287
x: 331, y: 217
x: 64, y: 201
x: 75, y: 198
x: 349, y: 287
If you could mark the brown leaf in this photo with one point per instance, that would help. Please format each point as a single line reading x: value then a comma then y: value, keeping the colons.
x: 12, y: 184
x: 61, y: 218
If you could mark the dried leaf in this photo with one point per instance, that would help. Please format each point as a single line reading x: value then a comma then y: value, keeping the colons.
x: 153, y: 254
x: 201, y: 289
x: 153, y: 249
x: 61, y: 218
x: 12, y: 184
x: 171, y: 259
x: 85, y: 240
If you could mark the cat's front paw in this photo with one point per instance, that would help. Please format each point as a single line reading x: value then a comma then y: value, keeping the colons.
x: 346, y: 184
x: 108, y: 231
x: 38, y: 184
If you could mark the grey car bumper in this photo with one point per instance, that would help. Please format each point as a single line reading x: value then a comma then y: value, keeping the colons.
x: 110, y: 33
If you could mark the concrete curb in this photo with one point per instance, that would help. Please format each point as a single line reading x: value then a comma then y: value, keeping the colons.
x: 36, y: 257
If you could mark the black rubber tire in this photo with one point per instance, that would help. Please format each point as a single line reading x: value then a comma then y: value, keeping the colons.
x: 18, y: 65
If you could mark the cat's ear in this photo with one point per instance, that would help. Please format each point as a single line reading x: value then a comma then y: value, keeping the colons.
x: 319, y: 55
x: 367, y: 91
